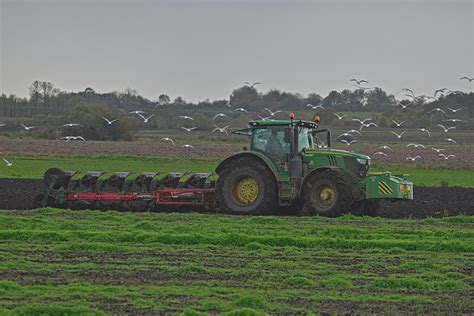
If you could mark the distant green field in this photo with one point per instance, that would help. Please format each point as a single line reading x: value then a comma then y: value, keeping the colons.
x: 57, y: 262
x: 29, y: 167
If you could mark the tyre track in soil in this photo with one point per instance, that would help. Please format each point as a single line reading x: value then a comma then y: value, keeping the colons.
x: 435, y: 202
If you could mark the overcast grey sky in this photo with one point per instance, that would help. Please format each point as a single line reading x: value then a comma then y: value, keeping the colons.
x: 204, y: 49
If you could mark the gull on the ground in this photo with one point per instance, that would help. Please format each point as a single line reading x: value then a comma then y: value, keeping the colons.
x: 450, y: 140
x: 186, y: 117
x: 71, y: 125
x: 367, y: 125
x: 145, y: 119
x: 218, y: 115
x: 385, y: 147
x: 186, y: 146
x: 446, y: 157
x: 424, y: 130
x: 466, y: 78
x: 167, y: 139
x: 188, y: 129
x: 110, y: 122
x: 68, y: 138
x: 416, y: 145
x: 398, y: 135
x: 413, y: 158
x: 339, y: 117
x: 438, y: 150
x: 271, y: 112
x: 446, y: 129
x: 314, y: 107
x: 9, y: 163
x: 27, y: 127
x: 397, y: 123
x: 348, y: 143
x: 222, y: 130
x: 241, y: 110
x: 454, y: 110
x: 380, y: 153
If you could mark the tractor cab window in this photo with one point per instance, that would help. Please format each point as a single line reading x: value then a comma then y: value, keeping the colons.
x: 305, y: 139
x: 271, y: 140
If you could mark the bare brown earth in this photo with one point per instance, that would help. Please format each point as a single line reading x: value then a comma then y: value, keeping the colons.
x: 435, y: 202
x: 204, y: 148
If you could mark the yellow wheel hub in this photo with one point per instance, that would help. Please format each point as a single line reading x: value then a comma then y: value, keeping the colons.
x: 246, y: 190
x: 327, y: 196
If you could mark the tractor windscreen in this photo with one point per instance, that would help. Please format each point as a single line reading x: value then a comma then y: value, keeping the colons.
x: 305, y: 139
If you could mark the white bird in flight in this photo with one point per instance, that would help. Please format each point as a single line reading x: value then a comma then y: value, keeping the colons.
x: 251, y: 85
x: 68, y: 138
x: 466, y: 78
x: 454, y: 110
x: 190, y: 129
x: 9, y: 163
x: 167, y: 139
x: 349, y: 143
x: 27, y: 127
x: 241, y: 110
x: 314, y: 107
x: 450, y: 140
x: 424, y: 130
x: 438, y: 150
x: 271, y: 112
x: 339, y: 117
x: 353, y: 131
x: 218, y: 115
x: 363, y: 121
x: 368, y: 125
x: 136, y: 112
x: 397, y: 123
x: 267, y: 118
x: 416, y: 145
x: 2, y: 124
x: 446, y: 129
x: 413, y: 158
x: 358, y: 82
x: 385, y: 147
x: 438, y: 110
x: 145, y: 119
x: 398, y: 135
x: 110, y: 122
x: 71, y: 125
x: 380, y: 153
x: 186, y: 117
x: 222, y: 130
x: 187, y: 146
x: 454, y: 120
x: 446, y: 157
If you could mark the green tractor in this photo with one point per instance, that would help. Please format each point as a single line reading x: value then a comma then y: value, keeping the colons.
x: 287, y: 166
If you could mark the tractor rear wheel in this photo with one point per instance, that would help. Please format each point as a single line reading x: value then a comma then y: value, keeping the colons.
x: 246, y: 186
x: 326, y: 193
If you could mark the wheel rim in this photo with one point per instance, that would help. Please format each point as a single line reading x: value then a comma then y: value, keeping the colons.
x: 245, y: 190
x: 325, y: 197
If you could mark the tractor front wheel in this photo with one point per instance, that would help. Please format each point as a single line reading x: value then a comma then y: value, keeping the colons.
x: 246, y: 186
x: 326, y: 193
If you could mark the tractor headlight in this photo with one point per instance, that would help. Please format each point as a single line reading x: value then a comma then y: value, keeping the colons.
x: 361, y: 161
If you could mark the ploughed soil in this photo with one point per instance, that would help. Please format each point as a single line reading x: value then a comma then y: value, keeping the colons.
x: 435, y: 202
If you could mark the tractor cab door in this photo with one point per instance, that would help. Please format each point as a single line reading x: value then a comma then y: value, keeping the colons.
x: 271, y: 141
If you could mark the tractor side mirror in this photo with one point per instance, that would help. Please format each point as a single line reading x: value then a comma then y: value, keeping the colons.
x: 288, y: 134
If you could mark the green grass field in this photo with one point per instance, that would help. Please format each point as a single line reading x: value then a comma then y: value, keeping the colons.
x: 34, y: 167
x: 56, y: 261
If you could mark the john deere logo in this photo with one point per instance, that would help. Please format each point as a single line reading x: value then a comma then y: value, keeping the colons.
x: 385, y: 188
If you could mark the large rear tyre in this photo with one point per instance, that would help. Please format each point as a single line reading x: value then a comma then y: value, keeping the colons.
x: 55, y: 177
x: 327, y: 194
x: 246, y: 186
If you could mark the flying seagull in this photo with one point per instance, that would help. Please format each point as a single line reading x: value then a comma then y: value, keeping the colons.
x: 450, y: 140
x: 251, y: 85
x: 218, y: 115
x: 167, y: 139
x: 454, y: 110
x: 188, y: 129
x: 314, y: 107
x: 380, y: 153
x: 353, y: 131
x: 446, y: 129
x: 339, y: 117
x: 438, y: 110
x: 368, y: 125
x: 222, y: 130
x: 349, y: 143
x: 145, y: 119
x: 438, y: 150
x: 454, y: 120
x: 68, y: 138
x: 413, y: 158
x: 27, y: 127
x: 385, y: 147
x: 363, y: 121
x: 109, y: 121
x: 446, y: 157
x: 271, y: 112
x: 241, y: 110
x: 71, y: 125
x: 416, y: 145
x: 358, y: 82
x: 187, y: 146
x: 397, y: 123
x: 9, y: 163
x: 136, y: 112
x: 398, y: 135
x: 186, y: 117
x: 466, y: 78
x: 424, y: 130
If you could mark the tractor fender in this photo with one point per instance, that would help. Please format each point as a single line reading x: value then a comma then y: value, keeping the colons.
x: 250, y: 155
x: 319, y: 170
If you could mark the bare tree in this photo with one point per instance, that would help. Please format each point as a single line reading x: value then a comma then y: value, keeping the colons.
x: 35, y: 94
